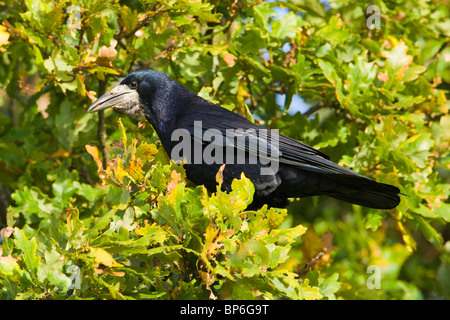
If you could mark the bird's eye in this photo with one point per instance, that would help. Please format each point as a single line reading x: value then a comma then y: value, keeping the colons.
x: 133, y: 84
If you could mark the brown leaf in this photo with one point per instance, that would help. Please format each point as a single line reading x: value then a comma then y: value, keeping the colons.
x: 114, y: 273
x: 446, y: 57
x: 175, y: 178
x: 6, y: 232
x: 109, y: 53
x: 208, y: 279
x: 327, y: 242
x: 229, y: 59
x: 43, y: 102
x: 140, y: 33
x: 8, y: 259
x: 91, y: 95
x: 316, y: 249
x: 27, y: 84
x: 383, y: 76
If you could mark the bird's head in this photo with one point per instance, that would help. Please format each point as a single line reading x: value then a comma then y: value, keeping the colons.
x: 134, y: 95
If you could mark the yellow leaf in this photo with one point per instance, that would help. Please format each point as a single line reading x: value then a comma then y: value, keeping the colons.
x: 81, y: 87
x: 134, y: 170
x: 397, y: 59
x: 117, y: 167
x: 210, y: 234
x: 410, y: 242
x: 4, y: 35
x: 146, y: 151
x: 124, y: 134
x: 93, y: 151
x: 60, y: 153
x: 219, y: 176
x: 241, y: 95
x: 103, y: 257
x: 114, y: 273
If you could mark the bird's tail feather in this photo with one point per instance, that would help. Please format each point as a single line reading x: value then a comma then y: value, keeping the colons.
x: 352, y: 188
x: 374, y: 195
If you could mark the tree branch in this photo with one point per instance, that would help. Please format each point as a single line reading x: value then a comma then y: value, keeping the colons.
x: 310, y: 262
x: 314, y: 108
x: 101, y: 134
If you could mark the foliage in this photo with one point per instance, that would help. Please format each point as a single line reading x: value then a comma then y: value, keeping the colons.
x: 87, y: 216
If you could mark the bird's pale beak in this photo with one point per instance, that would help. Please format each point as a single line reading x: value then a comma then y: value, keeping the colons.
x: 117, y: 96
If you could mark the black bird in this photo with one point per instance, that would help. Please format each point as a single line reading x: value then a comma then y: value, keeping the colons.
x: 292, y: 169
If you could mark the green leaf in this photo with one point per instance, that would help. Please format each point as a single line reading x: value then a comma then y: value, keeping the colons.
x: 286, y: 235
x: 51, y: 270
x: 28, y: 247
x: 242, y: 191
x: 263, y: 13
x: 64, y: 125
x: 105, y: 220
x: 374, y: 220
x: 287, y: 28
x: 329, y: 286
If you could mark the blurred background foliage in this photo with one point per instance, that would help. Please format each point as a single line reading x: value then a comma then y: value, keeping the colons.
x: 91, y: 207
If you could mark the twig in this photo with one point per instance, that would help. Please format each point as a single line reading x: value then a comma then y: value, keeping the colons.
x: 263, y: 92
x: 4, y: 204
x: 314, y: 108
x: 101, y: 134
x: 310, y: 262
x: 289, y: 59
x: 142, y: 23
x: 254, y: 105
x: 121, y: 35
x: 280, y: 90
x: 85, y: 173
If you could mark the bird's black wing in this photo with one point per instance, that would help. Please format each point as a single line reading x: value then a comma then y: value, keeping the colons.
x: 286, y: 149
x: 337, y: 181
